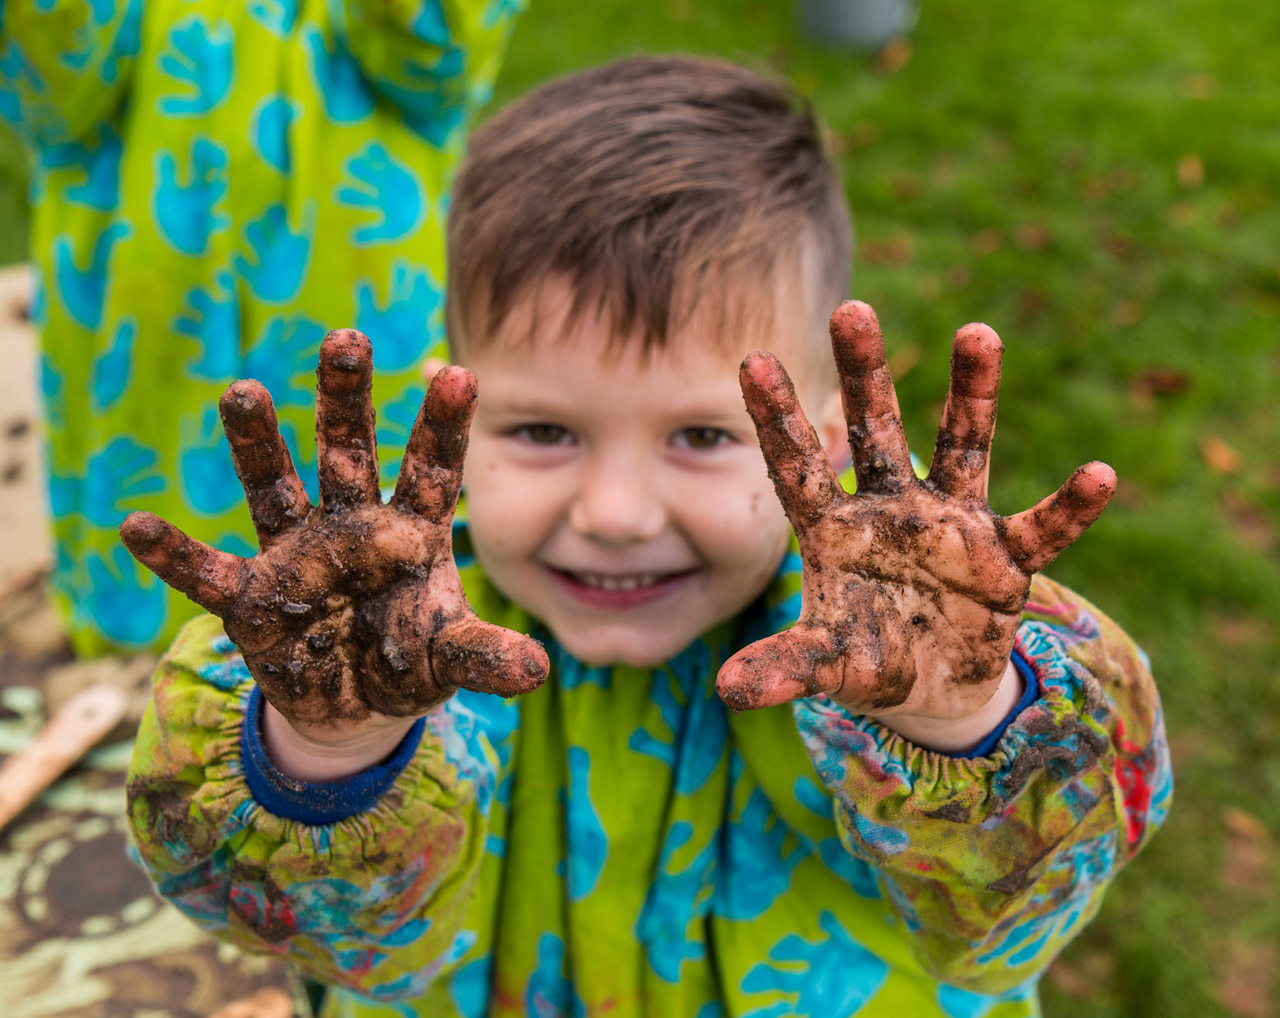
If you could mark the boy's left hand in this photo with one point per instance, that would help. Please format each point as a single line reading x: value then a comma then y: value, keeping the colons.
x: 911, y: 588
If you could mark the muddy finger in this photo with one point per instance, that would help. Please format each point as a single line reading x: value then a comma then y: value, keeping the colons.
x: 1036, y: 536
x: 475, y: 655
x: 802, y: 474
x: 881, y: 460
x: 211, y: 578
x: 345, y: 427
x: 962, y: 455
x: 277, y: 500
x: 431, y: 472
x: 800, y: 662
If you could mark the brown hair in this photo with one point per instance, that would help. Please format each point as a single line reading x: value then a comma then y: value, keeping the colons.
x: 651, y: 184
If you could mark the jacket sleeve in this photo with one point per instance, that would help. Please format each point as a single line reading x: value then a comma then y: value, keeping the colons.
x: 436, y: 60
x: 64, y: 64
x: 372, y: 900
x: 992, y: 864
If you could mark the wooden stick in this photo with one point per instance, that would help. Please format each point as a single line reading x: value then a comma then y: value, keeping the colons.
x: 68, y: 735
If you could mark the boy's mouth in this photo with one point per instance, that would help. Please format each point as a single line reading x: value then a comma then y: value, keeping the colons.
x: 618, y: 591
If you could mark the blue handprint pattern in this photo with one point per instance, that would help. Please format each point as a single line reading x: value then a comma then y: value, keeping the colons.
x: 380, y: 184
x: 835, y: 976
x: 116, y: 477
x: 83, y: 290
x: 200, y: 59
x: 280, y: 255
x: 111, y: 369
x: 550, y: 993
x: 282, y: 358
x: 686, y: 698
x: 588, y: 844
x: 123, y: 600
x: 338, y: 79
x: 759, y: 856
x: 276, y: 16
x: 211, y: 318
x: 186, y: 199
x: 208, y: 476
x: 269, y: 130
x: 675, y: 899
x: 404, y: 328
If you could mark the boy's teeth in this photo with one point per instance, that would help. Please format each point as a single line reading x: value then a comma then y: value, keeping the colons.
x: 618, y: 582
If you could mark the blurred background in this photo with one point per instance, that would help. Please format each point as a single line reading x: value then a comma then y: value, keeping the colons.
x: 1100, y: 182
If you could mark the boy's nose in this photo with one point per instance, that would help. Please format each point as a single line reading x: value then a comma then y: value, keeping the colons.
x: 617, y: 504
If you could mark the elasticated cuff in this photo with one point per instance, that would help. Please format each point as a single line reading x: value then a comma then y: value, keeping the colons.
x: 316, y: 803
x: 1030, y: 693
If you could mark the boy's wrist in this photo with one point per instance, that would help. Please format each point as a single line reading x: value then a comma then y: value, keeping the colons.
x: 957, y: 736
x: 328, y: 756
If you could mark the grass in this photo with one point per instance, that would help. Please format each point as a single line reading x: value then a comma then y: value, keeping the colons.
x: 1098, y: 182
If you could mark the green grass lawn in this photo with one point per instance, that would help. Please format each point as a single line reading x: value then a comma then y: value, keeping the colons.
x: 1099, y: 182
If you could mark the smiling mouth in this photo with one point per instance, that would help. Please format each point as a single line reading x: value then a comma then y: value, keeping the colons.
x: 619, y: 590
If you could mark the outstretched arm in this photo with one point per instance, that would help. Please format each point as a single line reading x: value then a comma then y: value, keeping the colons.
x: 350, y: 624
x: 915, y: 608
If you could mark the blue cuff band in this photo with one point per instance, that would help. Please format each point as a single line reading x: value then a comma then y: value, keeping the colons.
x: 316, y: 803
x: 1030, y: 693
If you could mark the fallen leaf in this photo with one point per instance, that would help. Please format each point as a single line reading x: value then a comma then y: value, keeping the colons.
x: 1234, y: 632
x: 1118, y: 245
x: 679, y: 10
x: 1123, y: 178
x: 929, y: 286
x: 1190, y: 170
x: 859, y: 136
x: 988, y: 240
x: 958, y: 277
x: 1127, y: 312
x: 1246, y: 973
x: 895, y: 251
x: 1199, y: 86
x: 1094, y: 187
x: 1221, y: 458
x: 905, y: 187
x: 1082, y: 976
x: 1245, y: 859
x: 1031, y: 303
x: 894, y: 56
x: 1032, y: 236
x: 1250, y: 524
x: 1182, y: 213
x: 1164, y: 381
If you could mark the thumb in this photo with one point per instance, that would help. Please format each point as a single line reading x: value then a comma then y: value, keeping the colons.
x: 799, y: 662
x: 482, y: 657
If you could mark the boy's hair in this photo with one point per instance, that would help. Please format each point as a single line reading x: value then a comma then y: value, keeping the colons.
x: 651, y: 185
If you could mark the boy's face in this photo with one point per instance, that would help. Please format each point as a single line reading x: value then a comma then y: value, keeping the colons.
x: 624, y: 500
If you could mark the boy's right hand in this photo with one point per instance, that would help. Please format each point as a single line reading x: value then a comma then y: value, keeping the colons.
x: 352, y: 613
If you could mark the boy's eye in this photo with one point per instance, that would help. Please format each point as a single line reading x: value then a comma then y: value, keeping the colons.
x: 543, y: 434
x: 702, y: 438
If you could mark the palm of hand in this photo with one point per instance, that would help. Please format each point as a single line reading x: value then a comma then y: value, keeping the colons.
x: 353, y: 611
x: 911, y: 589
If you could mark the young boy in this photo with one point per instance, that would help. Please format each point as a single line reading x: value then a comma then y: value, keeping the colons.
x: 950, y: 773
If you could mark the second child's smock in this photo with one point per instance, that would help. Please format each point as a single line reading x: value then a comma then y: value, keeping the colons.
x: 618, y: 844
x: 214, y: 184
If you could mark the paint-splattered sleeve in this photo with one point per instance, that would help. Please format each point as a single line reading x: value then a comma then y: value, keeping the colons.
x: 993, y: 864
x: 373, y: 901
x: 64, y: 64
x: 437, y: 60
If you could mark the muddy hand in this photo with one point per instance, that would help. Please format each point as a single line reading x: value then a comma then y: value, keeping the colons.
x: 911, y: 588
x: 352, y: 609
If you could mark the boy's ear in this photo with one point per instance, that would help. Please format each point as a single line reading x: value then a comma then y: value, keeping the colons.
x: 832, y: 431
